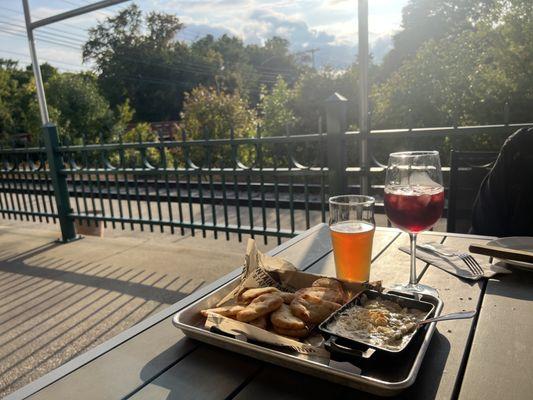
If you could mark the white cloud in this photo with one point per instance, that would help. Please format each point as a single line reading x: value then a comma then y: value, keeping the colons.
x: 330, y: 25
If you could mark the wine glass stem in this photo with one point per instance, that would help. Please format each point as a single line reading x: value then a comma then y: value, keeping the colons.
x: 412, y: 276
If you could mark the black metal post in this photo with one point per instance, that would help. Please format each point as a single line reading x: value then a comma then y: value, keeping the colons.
x: 336, y: 106
x: 59, y: 183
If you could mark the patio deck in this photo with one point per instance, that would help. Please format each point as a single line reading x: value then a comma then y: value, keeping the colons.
x: 58, y: 301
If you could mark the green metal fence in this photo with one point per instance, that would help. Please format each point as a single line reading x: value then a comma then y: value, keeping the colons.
x: 260, y: 186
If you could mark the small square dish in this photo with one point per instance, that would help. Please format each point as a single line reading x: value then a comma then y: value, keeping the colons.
x: 385, y: 322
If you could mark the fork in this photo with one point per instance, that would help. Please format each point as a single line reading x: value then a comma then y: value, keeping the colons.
x: 470, y: 261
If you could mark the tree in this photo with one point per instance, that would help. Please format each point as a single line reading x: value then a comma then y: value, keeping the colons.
x: 207, y: 111
x: 213, y: 114
x: 464, y: 79
x: 19, y: 110
x: 150, y: 68
x: 83, y: 111
x: 277, y: 109
x: 425, y: 20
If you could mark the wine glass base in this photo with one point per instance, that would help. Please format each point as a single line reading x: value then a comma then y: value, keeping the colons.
x: 415, y: 288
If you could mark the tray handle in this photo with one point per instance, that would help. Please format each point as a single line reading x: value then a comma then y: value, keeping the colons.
x: 332, y: 343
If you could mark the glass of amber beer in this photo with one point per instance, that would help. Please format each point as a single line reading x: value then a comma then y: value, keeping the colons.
x: 352, y: 225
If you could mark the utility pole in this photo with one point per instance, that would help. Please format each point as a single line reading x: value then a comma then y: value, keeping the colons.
x: 312, y: 51
x: 364, y: 123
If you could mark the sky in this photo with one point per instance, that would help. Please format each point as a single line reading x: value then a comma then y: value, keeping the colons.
x: 327, y: 25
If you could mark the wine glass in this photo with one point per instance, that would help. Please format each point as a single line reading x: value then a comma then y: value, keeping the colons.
x: 414, y: 200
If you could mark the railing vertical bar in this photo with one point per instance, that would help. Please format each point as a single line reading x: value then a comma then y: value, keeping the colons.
x: 93, y: 201
x: 178, y: 192
x: 211, y: 190
x: 201, y: 197
x: 225, y: 203
x: 21, y: 186
x: 105, y: 165
x: 250, y: 206
x: 71, y: 164
x: 276, y: 202
x: 290, y: 163
x: 158, y: 199
x: 29, y: 191
x: 5, y: 178
x: 323, y: 163
x: 138, y: 200
x: 235, y: 181
x: 163, y: 152
x: 306, y: 197
x: 259, y: 150
x: 186, y: 155
x: 122, y: 163
x: 13, y: 187
x: 86, y: 166
x: 76, y: 199
x: 2, y: 178
x: 44, y: 190
x: 34, y: 185
x: 322, y: 196
x: 100, y: 197
x: 119, y: 197
x: 146, y: 186
x: 53, y: 205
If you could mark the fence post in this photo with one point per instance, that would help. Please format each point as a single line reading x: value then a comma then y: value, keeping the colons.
x: 59, y: 183
x: 336, y: 106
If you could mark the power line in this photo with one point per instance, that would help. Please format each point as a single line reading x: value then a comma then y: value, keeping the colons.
x: 185, y: 66
x: 272, y: 72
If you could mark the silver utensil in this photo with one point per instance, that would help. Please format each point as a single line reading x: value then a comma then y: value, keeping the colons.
x: 446, y: 317
x: 470, y: 261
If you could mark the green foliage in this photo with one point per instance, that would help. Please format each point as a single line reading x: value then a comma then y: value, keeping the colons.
x: 144, y: 67
x: 154, y: 70
x: 207, y: 112
x: 277, y: 109
x: 135, y: 158
x: 465, y: 78
x: 19, y: 111
x: 213, y: 114
x: 83, y: 111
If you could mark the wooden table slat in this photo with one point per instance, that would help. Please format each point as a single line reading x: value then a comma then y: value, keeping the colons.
x: 499, y: 365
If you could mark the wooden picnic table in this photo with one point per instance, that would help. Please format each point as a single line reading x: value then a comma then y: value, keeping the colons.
x: 487, y: 357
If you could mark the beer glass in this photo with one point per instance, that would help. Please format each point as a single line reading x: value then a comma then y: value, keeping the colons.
x: 352, y: 225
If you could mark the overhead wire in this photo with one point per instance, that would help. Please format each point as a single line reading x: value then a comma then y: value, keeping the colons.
x: 267, y: 71
x: 187, y: 66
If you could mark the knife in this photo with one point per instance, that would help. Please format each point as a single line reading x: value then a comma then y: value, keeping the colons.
x: 502, y: 252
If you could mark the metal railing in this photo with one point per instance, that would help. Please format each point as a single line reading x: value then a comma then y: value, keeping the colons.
x: 259, y: 186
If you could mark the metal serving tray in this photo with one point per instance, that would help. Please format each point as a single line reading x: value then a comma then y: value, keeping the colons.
x: 378, y: 377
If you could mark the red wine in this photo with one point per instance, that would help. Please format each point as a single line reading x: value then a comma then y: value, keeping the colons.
x: 414, y: 208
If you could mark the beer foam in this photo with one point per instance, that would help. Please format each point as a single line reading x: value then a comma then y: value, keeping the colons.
x: 352, y: 227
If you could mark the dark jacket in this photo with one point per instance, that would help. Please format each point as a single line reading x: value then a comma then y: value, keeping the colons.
x: 504, y: 204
